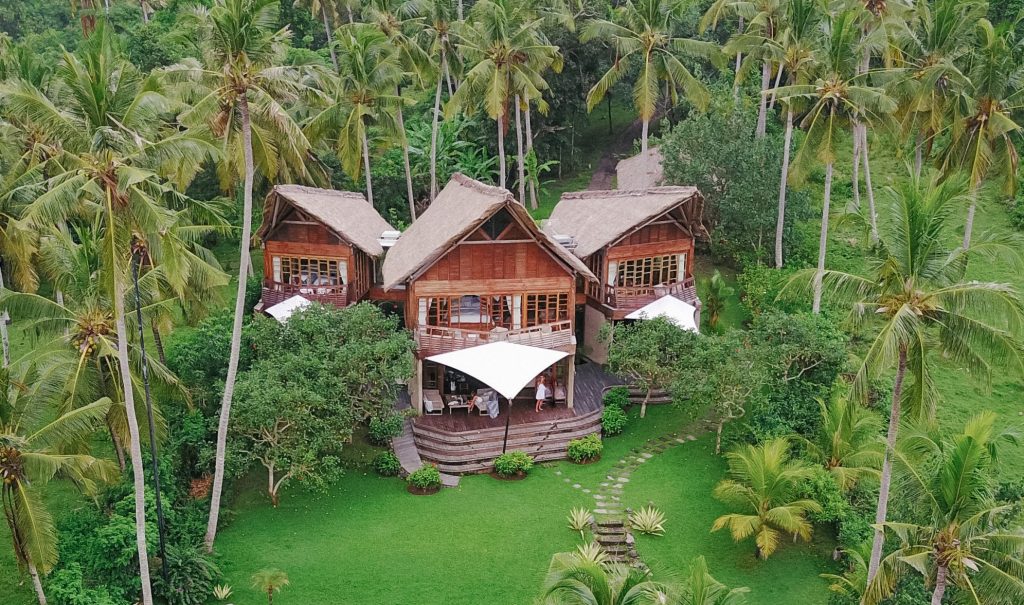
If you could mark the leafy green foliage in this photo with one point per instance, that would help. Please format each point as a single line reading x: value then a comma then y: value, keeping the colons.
x: 616, y: 396
x: 648, y: 352
x: 739, y: 176
x: 385, y: 426
x: 67, y: 586
x: 513, y: 463
x: 387, y: 465
x: 760, y: 286
x: 198, y: 357
x: 580, y: 519
x: 586, y: 449
x: 613, y: 420
x: 426, y: 477
x: 648, y: 520
x: 191, y: 576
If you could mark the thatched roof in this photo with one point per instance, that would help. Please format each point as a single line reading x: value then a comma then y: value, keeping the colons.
x: 346, y: 213
x: 641, y: 171
x: 462, y: 206
x: 595, y: 219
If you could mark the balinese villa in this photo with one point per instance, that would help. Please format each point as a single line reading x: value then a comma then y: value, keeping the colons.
x: 491, y: 299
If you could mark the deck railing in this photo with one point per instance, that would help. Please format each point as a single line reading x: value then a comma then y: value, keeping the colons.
x: 437, y: 339
x: 636, y: 297
x: 275, y: 292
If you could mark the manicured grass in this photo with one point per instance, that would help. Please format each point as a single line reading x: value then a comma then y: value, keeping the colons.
x: 679, y: 482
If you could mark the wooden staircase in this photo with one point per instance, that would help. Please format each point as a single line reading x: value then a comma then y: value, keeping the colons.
x: 474, y: 451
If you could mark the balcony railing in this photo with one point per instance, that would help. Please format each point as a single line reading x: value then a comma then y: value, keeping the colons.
x: 275, y: 292
x: 636, y: 297
x: 437, y: 339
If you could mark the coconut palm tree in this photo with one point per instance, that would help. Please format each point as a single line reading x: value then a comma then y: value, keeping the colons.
x: 329, y: 14
x: 981, y: 140
x: 641, y: 33
x: 363, y: 95
x: 269, y: 581
x: 586, y: 577
x: 699, y: 587
x: 36, y: 447
x: 765, y: 23
x: 917, y: 301
x: 117, y: 161
x: 837, y: 96
x: 847, y: 443
x: 505, y: 55
x: 437, y: 33
x: 235, y: 93
x: 962, y: 539
x: 764, y: 482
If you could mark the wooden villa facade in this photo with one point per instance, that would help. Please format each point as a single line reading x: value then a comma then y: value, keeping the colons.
x: 320, y: 244
x: 639, y: 244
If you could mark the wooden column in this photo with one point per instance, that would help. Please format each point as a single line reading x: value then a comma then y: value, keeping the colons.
x: 570, y: 381
x: 417, y: 387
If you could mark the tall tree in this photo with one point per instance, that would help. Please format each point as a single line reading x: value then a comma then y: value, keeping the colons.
x: 915, y: 296
x: 982, y: 135
x: 837, y: 96
x: 329, y: 14
x: 36, y: 447
x: 642, y: 36
x: 965, y: 539
x: 363, y: 95
x: 237, y: 87
x: 437, y: 31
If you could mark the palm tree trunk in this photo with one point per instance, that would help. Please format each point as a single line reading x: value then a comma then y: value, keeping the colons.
x: 739, y: 61
x: 142, y: 5
x: 856, y: 165
x: 775, y: 88
x: 158, y: 342
x: 460, y: 10
x: 330, y: 36
x: 236, y: 328
x: 970, y: 217
x: 822, y: 241
x: 5, y: 338
x: 366, y: 167
x: 36, y: 583
x: 886, y: 478
x: 867, y: 182
x: 58, y: 297
x: 529, y: 148
x: 405, y: 160
x: 940, y: 584
x: 918, y: 153
x: 762, y: 105
x: 118, y: 448
x: 433, y: 135
x: 134, y: 445
x: 519, y: 153
x: 643, y: 136
x: 501, y: 152
x: 781, y: 220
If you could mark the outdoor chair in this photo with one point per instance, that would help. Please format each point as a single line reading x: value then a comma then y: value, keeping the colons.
x: 559, y: 394
x: 433, y: 405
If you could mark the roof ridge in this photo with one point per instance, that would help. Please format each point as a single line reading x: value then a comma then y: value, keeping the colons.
x: 284, y: 188
x: 481, y: 187
x: 605, y: 193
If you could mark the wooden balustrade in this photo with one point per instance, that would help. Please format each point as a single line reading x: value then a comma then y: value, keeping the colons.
x: 636, y: 297
x: 275, y: 292
x: 438, y: 339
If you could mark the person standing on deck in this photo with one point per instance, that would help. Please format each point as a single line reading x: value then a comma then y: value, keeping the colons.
x: 542, y: 393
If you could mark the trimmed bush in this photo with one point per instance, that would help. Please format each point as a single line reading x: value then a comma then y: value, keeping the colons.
x: 426, y: 478
x: 383, y: 428
x: 613, y: 420
x: 586, y: 449
x: 387, y: 465
x: 513, y: 463
x: 617, y: 397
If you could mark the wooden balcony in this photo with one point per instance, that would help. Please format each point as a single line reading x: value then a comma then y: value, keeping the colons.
x: 432, y: 340
x: 275, y: 292
x: 627, y: 300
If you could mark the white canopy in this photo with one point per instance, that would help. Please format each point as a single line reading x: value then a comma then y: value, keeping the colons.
x: 284, y: 309
x: 677, y: 311
x: 506, y: 367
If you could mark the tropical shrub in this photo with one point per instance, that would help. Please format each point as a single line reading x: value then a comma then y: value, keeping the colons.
x: 586, y: 449
x: 759, y: 288
x: 384, y: 427
x: 616, y: 396
x: 426, y: 477
x: 613, y: 420
x: 648, y: 353
x: 387, y: 465
x: 191, y: 576
x: 222, y: 592
x: 66, y: 586
x: 579, y: 520
x: 648, y: 520
x: 513, y: 463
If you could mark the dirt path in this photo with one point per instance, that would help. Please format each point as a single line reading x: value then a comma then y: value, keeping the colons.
x: 619, y: 144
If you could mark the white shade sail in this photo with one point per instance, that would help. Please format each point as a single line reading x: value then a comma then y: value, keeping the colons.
x: 677, y: 311
x: 506, y: 367
x: 284, y: 309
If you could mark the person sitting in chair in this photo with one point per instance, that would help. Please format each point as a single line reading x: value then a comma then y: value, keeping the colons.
x: 542, y: 393
x: 475, y: 401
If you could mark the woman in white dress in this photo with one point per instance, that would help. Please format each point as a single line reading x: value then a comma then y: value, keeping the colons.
x: 542, y: 393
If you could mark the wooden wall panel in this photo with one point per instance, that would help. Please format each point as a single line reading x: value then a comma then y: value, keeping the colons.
x: 657, y: 232
x: 513, y: 260
x: 311, y: 233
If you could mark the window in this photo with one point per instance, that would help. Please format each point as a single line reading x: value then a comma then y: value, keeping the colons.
x: 303, y: 271
x: 645, y: 272
x: 546, y: 308
x: 495, y: 225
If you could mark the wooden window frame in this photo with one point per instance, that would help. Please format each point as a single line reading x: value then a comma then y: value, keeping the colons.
x: 290, y: 267
x: 647, y: 271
